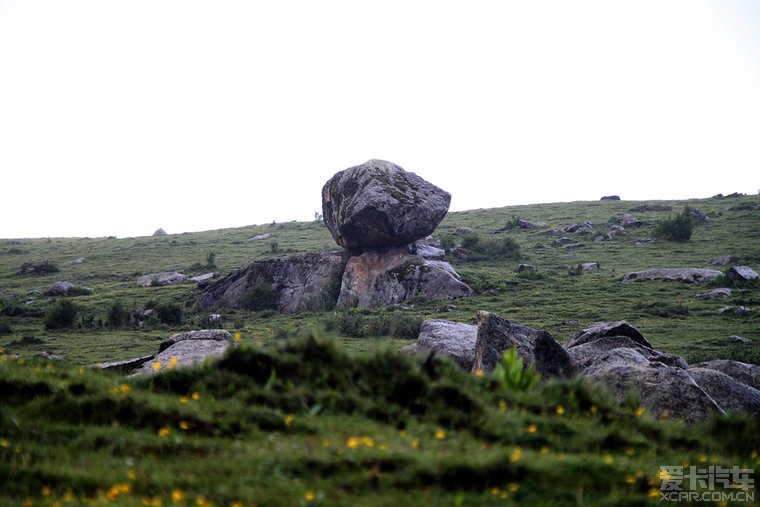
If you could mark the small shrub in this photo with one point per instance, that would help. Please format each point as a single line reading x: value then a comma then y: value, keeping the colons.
x: 677, y: 229
x: 117, y: 315
x: 274, y: 247
x: 5, y: 327
x: 169, y: 314
x: 512, y: 373
x: 60, y: 315
x: 211, y: 259
x: 41, y: 268
x: 259, y: 297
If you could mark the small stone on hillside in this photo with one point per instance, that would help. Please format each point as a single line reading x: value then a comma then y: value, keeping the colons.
x: 161, y: 279
x: 721, y: 260
x: 159, y: 232
x: 741, y: 273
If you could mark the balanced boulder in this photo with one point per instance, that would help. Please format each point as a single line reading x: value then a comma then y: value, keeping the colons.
x: 378, y: 204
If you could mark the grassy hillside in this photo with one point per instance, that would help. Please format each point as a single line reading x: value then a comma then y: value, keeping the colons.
x: 553, y: 298
x: 319, y: 409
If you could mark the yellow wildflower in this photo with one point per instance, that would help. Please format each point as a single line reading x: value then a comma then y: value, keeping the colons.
x: 195, y: 396
x: 702, y: 458
x: 4, y: 443
x: 532, y: 428
x: 593, y: 409
x: 608, y: 459
x: 415, y: 444
x: 502, y: 405
x: 156, y: 365
x: 513, y: 487
x: 184, y: 425
x: 440, y: 434
x: 478, y: 372
x: 288, y: 420
x: 237, y: 336
x: 177, y: 495
x: 326, y: 442
x: 46, y: 491
x: 653, y: 492
x: 352, y: 443
x: 309, y: 496
x: 544, y: 450
x: 629, y: 479
x: 173, y: 362
x: 495, y: 490
x: 164, y: 432
x: 368, y: 441
x: 184, y: 399
x: 559, y: 410
x: 131, y: 474
x: 640, y: 411
x: 516, y: 454
x: 124, y: 388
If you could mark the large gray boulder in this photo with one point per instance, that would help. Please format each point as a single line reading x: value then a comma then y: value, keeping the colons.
x: 378, y: 204
x: 301, y: 281
x: 685, y: 275
x: 444, y: 337
x: 743, y: 372
x: 187, y: 349
x: 587, y: 345
x: 496, y: 335
x: 731, y: 395
x: 392, y: 276
x: 664, y: 391
x: 61, y: 288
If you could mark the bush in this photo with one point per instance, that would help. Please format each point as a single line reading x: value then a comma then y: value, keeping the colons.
x: 5, y: 327
x: 41, y: 268
x: 676, y: 229
x: 61, y: 314
x: 501, y: 248
x: 117, y: 314
x: 169, y: 314
x: 259, y: 297
x: 356, y: 325
x: 512, y: 373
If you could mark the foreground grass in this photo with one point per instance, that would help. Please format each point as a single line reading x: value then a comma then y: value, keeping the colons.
x: 306, y: 423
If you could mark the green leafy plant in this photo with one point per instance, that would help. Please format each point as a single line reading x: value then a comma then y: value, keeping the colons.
x: 677, y: 229
x: 169, y: 314
x: 60, y: 315
x: 117, y: 314
x: 260, y: 297
x: 513, y: 374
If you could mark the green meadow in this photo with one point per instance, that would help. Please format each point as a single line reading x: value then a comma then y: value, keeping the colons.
x: 318, y: 408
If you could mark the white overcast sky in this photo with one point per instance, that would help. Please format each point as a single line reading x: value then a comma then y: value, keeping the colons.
x: 119, y: 117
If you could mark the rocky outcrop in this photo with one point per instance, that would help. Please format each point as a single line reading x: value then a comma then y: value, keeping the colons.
x: 61, y: 289
x: 301, y: 281
x: 392, y: 276
x: 720, y: 293
x: 742, y: 372
x: 731, y: 395
x: 379, y: 204
x: 496, y: 335
x: 161, y: 279
x: 444, y: 337
x: 684, y: 275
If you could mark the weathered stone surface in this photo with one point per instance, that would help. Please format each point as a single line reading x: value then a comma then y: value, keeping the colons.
x: 159, y: 232
x: 496, y: 335
x: 588, y: 266
x: 521, y: 268
x: 610, y: 198
x: 161, y: 279
x: 378, y: 204
x: 125, y: 366
x: 697, y: 215
x: 301, y: 281
x: 392, y: 276
x: 741, y: 273
x: 721, y: 260
x: 731, y: 395
x: 663, y: 390
x: 582, y: 228
x: 684, y: 275
x: 428, y: 251
x: 444, y: 337
x: 188, y: 349
x: 205, y: 277
x: 60, y: 289
x: 599, y: 330
x: 585, y: 354
x: 743, y: 372
x: 721, y: 293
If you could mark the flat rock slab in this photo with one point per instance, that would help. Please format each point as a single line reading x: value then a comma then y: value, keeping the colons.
x: 187, y: 349
x: 684, y: 275
x: 444, y: 337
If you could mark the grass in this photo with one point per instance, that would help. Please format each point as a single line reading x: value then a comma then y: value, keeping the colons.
x: 303, y: 416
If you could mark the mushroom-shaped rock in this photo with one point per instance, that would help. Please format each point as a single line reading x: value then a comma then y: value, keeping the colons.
x: 378, y: 204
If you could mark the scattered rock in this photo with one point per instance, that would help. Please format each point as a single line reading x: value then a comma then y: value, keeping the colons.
x: 738, y: 310
x: 646, y: 241
x: 266, y: 235
x: 614, y: 231
x: 582, y: 228
x: 684, y: 275
x: 205, y: 277
x: 379, y: 204
x: 60, y: 289
x: 187, y: 349
x: 738, y: 339
x: 393, y: 276
x: 721, y: 293
x: 78, y: 260
x: 159, y: 232
x: 214, y: 321
x: 530, y: 268
x: 47, y: 356
x: 464, y: 230
x: 561, y: 241
x: 453, y: 339
x: 525, y: 224
x: 610, y: 198
x: 162, y: 279
x: 721, y: 260
x: 588, y: 266
x: 497, y: 335
x: 570, y: 246
x: 628, y: 220
x: 697, y: 216
x: 741, y: 273
x: 301, y: 281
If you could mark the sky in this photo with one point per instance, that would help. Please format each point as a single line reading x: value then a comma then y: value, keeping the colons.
x: 117, y: 118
